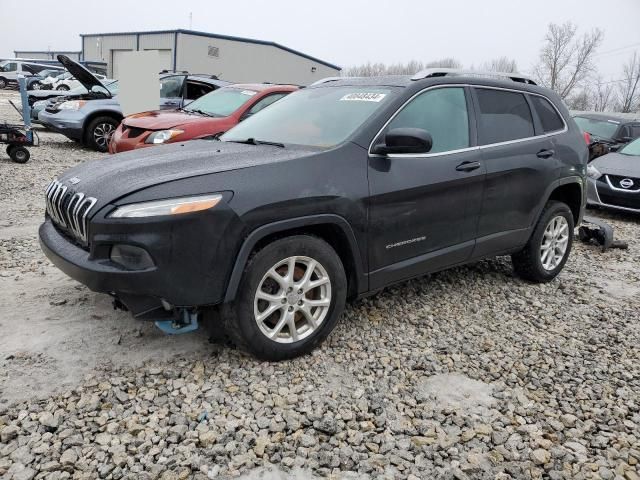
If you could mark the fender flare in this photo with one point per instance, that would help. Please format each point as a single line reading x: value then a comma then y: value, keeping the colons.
x: 573, y: 179
x: 261, y: 232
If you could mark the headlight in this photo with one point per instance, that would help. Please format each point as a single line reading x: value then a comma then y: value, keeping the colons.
x: 593, y: 172
x: 163, y: 136
x: 173, y: 206
x: 72, y: 105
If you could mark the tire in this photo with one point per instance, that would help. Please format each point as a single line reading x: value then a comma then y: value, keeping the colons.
x: 531, y: 263
x: 62, y: 88
x: 19, y: 154
x: 3, y: 82
x: 36, y: 86
x: 240, y: 318
x: 100, y: 131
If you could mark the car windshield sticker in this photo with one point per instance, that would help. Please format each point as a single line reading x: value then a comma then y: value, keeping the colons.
x: 614, y: 122
x: 248, y: 92
x: 363, y: 97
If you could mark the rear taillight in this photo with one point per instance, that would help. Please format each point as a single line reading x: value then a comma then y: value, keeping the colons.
x: 587, y: 137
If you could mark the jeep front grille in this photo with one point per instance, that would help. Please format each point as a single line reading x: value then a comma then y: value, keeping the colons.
x: 69, y: 210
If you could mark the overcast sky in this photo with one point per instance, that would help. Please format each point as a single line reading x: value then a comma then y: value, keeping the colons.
x: 344, y: 32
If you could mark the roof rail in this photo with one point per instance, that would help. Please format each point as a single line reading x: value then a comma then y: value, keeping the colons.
x: 327, y: 79
x: 443, y: 72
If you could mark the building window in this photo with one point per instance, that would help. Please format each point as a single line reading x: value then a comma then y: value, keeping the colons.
x: 214, y: 51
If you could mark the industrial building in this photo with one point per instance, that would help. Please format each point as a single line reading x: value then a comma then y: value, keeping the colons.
x: 230, y: 58
x: 45, y: 54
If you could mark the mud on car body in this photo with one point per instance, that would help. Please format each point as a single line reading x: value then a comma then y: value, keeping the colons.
x: 331, y: 193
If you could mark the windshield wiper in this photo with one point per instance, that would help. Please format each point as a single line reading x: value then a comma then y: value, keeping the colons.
x: 253, y: 141
x: 202, y: 112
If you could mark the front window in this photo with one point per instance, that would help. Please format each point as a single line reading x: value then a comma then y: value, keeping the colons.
x: 321, y: 117
x: 221, y: 103
x: 171, y: 87
x: 632, y: 149
x: 443, y: 113
x: 598, y: 128
x: 8, y: 66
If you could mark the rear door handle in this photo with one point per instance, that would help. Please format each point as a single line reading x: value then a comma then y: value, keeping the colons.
x: 545, y: 153
x: 468, y: 166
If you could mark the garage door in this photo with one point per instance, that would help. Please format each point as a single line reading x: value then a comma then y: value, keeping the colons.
x: 116, y: 62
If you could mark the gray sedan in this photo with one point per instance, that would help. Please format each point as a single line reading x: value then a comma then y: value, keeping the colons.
x: 614, y: 179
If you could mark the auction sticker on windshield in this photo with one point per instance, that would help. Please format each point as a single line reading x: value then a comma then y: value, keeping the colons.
x: 363, y: 97
x: 248, y: 92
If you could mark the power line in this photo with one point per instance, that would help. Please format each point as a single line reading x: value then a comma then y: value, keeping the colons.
x: 616, y: 50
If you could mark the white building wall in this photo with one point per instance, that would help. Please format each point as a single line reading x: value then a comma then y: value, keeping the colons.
x: 232, y: 60
x: 239, y: 61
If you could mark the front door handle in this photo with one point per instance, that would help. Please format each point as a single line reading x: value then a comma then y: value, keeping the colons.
x: 468, y: 166
x: 545, y: 153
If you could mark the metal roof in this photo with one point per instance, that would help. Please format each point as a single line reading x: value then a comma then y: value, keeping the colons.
x: 222, y: 37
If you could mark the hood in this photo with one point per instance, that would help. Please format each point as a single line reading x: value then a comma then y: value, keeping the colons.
x: 84, y: 76
x: 163, y: 119
x: 618, y: 164
x: 115, y: 176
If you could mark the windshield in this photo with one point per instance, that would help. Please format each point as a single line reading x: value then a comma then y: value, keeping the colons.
x: 632, y: 149
x: 321, y: 117
x: 599, y: 128
x: 222, y: 102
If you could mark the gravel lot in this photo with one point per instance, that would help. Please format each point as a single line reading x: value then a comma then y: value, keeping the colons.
x: 469, y: 373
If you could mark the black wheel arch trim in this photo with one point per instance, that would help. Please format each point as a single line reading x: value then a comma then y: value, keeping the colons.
x: 295, y: 223
x: 577, y: 180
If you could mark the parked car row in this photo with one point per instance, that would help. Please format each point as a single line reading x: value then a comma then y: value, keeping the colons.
x: 11, y: 69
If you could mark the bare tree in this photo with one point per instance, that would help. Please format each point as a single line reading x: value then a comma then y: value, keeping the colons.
x: 581, y: 100
x: 375, y: 69
x: 566, y: 60
x: 447, y: 62
x: 501, y: 64
x: 603, y: 95
x: 629, y: 87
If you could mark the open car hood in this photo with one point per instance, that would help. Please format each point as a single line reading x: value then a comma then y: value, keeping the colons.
x: 81, y: 73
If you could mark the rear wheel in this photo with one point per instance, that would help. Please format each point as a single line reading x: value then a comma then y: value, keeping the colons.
x: 3, y: 82
x: 100, y: 131
x: 19, y: 154
x: 290, y: 298
x: 549, y: 247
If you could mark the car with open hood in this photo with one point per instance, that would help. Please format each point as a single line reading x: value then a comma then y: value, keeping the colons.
x: 40, y: 99
x: 614, y: 179
x: 92, y: 121
x: 607, y: 132
x: 332, y: 193
x: 210, y: 115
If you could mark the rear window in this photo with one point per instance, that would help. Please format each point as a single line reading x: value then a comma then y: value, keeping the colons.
x: 548, y: 115
x: 503, y: 116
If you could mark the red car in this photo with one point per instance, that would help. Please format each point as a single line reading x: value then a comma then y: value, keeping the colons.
x: 209, y: 115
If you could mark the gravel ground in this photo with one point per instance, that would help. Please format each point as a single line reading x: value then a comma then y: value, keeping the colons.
x: 470, y: 373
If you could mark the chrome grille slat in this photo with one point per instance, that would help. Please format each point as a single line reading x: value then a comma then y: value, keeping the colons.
x: 68, y: 209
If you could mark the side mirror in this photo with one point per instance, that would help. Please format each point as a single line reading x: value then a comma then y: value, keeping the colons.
x: 404, y: 140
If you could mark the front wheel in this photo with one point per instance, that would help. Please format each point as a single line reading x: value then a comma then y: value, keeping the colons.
x: 36, y: 86
x: 100, y: 131
x: 290, y: 298
x: 3, y: 82
x: 549, y: 247
x: 63, y: 88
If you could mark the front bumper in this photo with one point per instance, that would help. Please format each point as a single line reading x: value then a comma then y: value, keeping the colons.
x: 68, y: 123
x: 601, y: 194
x: 191, y: 261
x: 122, y: 142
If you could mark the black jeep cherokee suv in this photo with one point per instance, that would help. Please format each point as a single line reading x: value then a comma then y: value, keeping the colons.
x: 333, y: 192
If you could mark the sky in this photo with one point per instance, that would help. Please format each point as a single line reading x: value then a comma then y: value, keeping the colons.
x: 342, y: 32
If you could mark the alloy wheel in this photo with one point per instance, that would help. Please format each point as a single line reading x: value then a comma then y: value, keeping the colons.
x: 554, y: 243
x: 292, y: 299
x: 102, y: 134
